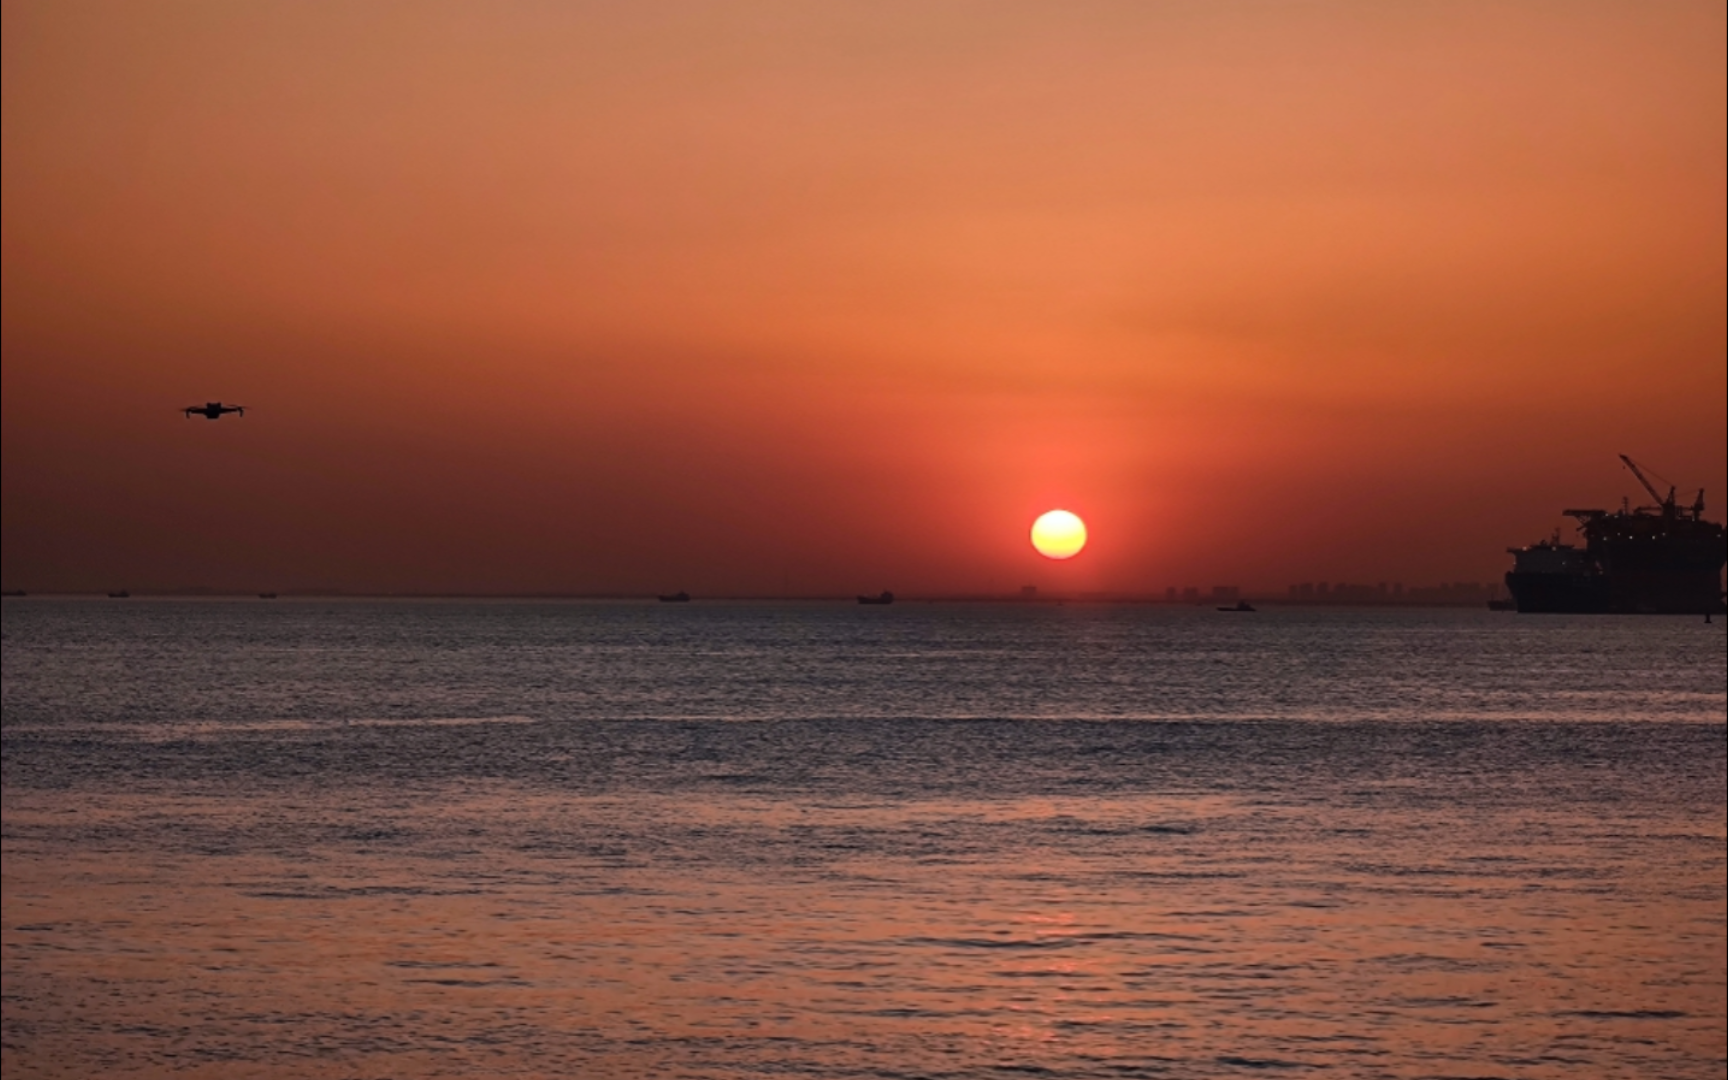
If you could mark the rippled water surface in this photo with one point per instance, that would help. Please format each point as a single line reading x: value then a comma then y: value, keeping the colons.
x: 314, y: 839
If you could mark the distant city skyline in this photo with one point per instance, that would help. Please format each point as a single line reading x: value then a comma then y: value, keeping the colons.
x: 1454, y: 592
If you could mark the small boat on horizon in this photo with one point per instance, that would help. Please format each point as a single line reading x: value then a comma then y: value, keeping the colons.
x: 884, y: 597
x: 679, y: 597
x: 1240, y: 605
x: 266, y: 596
x: 119, y: 594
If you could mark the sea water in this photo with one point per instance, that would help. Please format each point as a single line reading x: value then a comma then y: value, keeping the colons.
x: 326, y: 839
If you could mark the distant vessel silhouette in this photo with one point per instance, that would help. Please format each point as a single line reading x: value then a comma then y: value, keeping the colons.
x: 1240, y: 605
x: 884, y: 597
x: 266, y: 596
x: 119, y: 594
x: 1662, y: 559
x: 679, y: 597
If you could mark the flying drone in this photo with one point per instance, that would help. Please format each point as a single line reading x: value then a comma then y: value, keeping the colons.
x: 213, y: 410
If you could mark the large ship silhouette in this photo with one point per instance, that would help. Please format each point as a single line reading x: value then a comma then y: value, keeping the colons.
x: 1658, y: 560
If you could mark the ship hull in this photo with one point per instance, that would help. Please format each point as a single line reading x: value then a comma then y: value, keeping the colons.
x: 1579, y: 594
x: 1665, y: 574
x: 1622, y: 594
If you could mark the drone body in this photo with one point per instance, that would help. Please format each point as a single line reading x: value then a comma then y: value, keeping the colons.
x: 213, y: 410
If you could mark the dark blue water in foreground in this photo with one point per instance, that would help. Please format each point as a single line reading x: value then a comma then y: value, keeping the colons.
x: 452, y: 839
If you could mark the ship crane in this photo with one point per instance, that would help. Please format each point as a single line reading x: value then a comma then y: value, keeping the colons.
x: 1663, y: 502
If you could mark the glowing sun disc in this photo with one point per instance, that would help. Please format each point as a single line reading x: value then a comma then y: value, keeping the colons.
x: 1059, y: 535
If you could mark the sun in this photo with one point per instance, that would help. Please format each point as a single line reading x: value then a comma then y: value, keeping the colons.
x: 1059, y: 535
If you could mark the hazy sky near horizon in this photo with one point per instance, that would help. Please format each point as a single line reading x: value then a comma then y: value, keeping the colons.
x: 836, y: 297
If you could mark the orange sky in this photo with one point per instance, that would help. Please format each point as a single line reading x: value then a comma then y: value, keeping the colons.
x: 833, y: 298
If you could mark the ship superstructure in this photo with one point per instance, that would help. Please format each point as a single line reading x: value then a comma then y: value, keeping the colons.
x: 1662, y: 559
